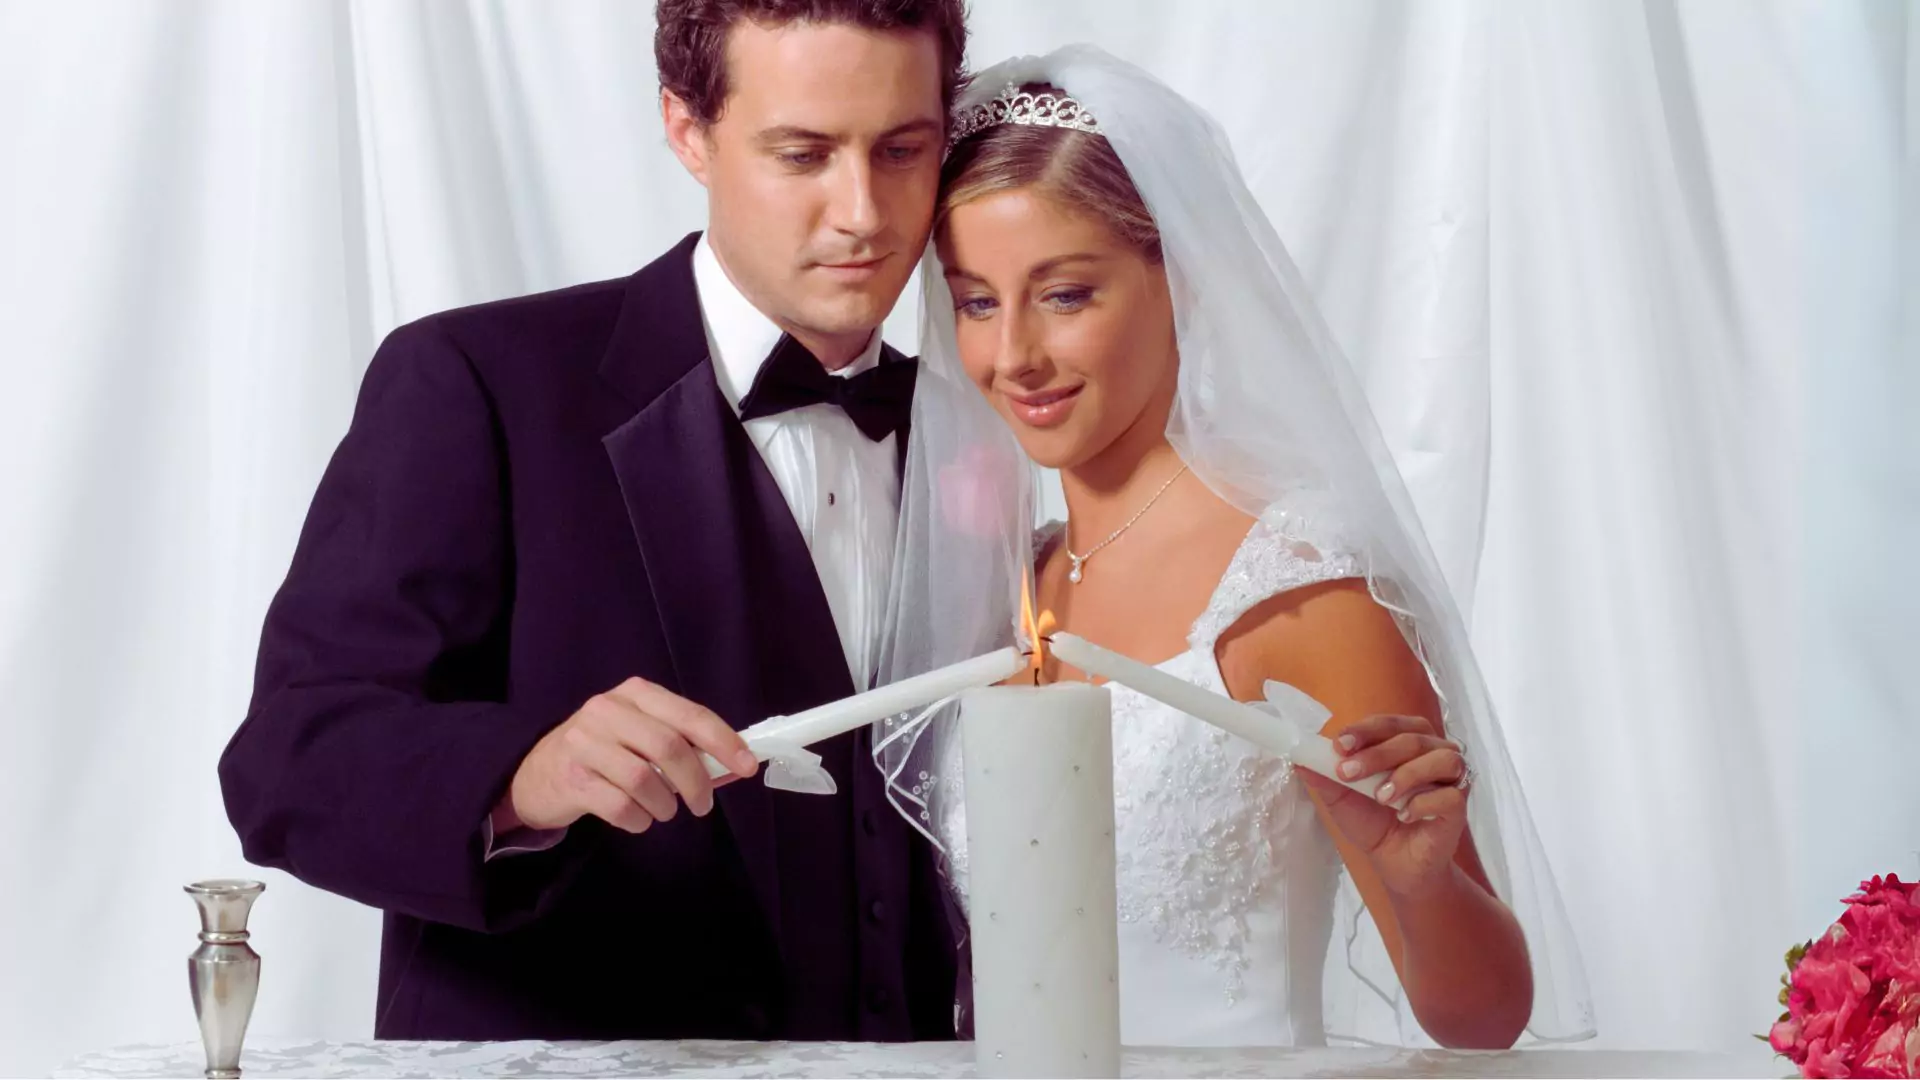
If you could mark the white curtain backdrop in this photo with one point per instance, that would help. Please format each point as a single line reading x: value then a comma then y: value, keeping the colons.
x: 1633, y: 288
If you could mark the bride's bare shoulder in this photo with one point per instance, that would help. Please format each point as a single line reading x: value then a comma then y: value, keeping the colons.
x: 1333, y: 640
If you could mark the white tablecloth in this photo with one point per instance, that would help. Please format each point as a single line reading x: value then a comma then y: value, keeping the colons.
x: 283, y: 1058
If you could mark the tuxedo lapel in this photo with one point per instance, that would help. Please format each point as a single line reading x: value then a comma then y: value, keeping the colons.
x: 746, y: 621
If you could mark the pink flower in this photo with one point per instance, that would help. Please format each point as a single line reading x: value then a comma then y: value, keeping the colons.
x: 1835, y: 986
x: 1785, y: 1038
x: 1853, y: 994
x: 1891, y: 1053
x: 1879, y: 889
x: 1824, y: 1060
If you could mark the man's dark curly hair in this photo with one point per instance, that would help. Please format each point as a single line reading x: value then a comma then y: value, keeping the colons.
x: 690, y: 38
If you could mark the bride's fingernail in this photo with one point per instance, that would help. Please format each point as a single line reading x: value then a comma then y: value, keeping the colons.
x: 1350, y: 769
x: 1406, y: 816
x: 1348, y: 742
x: 1385, y: 794
x: 1431, y: 817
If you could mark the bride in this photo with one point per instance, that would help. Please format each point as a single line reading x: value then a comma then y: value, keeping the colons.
x: 1105, y: 296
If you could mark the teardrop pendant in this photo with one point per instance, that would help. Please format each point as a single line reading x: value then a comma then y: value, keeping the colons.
x: 1074, y: 573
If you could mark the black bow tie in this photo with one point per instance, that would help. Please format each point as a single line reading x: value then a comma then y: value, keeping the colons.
x: 878, y: 401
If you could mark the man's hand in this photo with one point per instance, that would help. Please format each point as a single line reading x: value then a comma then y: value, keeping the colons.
x: 628, y: 757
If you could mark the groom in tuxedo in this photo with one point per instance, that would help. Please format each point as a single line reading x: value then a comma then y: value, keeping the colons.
x: 572, y: 541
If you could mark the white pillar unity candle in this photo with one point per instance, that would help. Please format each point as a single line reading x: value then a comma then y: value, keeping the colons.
x: 1041, y: 905
x: 838, y: 717
x: 1306, y: 748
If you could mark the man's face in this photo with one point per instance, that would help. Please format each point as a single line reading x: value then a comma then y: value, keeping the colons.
x: 821, y: 173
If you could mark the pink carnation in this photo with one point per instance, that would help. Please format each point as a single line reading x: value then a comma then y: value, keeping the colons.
x: 1853, y: 995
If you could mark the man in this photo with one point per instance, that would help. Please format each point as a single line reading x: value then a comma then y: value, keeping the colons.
x: 559, y: 522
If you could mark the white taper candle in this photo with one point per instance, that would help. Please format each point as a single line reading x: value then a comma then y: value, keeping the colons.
x: 838, y: 717
x: 1040, y: 869
x: 1307, y: 749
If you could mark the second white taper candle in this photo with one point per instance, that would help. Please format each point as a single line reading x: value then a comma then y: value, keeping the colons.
x: 1307, y: 749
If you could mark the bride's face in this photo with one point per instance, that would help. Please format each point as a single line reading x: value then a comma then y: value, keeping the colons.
x: 1065, y: 327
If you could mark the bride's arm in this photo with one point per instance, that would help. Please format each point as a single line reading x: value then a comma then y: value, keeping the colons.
x: 1458, y: 950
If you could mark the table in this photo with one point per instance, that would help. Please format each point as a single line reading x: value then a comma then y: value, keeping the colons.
x: 274, y: 1058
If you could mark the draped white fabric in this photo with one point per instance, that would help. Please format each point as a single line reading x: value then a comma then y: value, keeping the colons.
x: 1633, y: 289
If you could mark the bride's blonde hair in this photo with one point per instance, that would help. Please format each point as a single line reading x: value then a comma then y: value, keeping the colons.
x: 1076, y: 169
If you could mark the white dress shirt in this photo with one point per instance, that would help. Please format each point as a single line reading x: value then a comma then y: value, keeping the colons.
x: 842, y: 487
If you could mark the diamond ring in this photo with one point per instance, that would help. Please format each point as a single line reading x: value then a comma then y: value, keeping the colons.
x: 1466, y: 776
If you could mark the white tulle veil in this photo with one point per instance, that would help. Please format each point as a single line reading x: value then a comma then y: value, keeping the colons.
x: 1267, y: 406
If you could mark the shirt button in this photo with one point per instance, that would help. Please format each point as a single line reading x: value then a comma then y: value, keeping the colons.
x: 830, y: 498
x: 876, y: 912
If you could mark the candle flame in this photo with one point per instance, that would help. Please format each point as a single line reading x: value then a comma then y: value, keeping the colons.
x: 1037, y: 628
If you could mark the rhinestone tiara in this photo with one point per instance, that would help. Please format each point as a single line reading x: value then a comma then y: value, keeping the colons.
x: 1016, y: 106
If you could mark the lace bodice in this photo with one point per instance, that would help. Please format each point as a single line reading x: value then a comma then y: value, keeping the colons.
x: 1225, y: 877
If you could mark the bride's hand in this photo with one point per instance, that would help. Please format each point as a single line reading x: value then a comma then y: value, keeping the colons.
x: 1411, y: 831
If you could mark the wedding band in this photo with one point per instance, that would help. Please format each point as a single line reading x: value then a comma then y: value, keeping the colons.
x: 1466, y: 776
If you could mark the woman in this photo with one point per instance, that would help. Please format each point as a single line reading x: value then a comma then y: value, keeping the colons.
x: 1107, y: 285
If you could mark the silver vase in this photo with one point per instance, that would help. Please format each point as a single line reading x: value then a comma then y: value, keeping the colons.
x: 224, y: 972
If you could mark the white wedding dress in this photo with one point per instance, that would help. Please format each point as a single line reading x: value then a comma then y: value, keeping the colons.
x: 1226, y: 877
